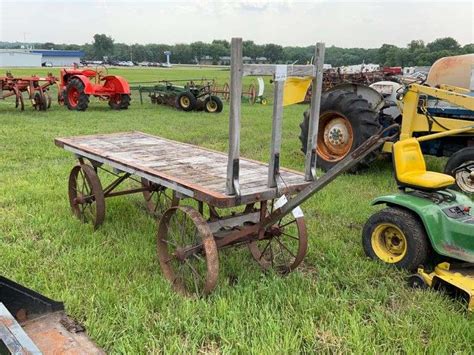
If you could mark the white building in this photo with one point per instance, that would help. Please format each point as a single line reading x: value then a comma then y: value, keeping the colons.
x: 19, y: 58
x: 59, y: 58
x: 38, y: 57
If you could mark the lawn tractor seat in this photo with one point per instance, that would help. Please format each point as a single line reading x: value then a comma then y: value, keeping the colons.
x: 410, y: 168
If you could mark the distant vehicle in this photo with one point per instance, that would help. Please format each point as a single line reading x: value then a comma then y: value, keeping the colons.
x: 126, y: 63
x: 92, y: 62
x: 392, y: 70
x: 47, y: 64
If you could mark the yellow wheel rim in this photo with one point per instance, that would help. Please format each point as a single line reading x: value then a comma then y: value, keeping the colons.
x: 211, y: 106
x: 389, y: 243
x: 184, y: 101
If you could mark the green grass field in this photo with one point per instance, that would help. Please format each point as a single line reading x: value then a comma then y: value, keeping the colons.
x: 338, y: 301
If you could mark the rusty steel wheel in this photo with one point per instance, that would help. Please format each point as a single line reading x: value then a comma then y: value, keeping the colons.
x: 19, y: 99
x: 281, y: 247
x: 48, y: 100
x: 40, y: 101
x: 86, y: 195
x: 158, y: 198
x: 187, y: 251
x: 252, y: 94
x: 226, y: 92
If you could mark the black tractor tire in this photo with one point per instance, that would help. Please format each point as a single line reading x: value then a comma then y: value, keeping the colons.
x: 213, y: 104
x: 80, y: 100
x: 119, y: 102
x: 417, y: 281
x: 381, y: 224
x: 186, y: 101
x: 461, y: 166
x: 41, y: 101
x: 354, y: 111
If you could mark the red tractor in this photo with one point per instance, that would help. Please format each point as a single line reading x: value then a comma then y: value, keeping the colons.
x: 78, y: 84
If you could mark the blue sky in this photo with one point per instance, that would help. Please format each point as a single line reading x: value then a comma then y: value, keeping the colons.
x: 342, y: 23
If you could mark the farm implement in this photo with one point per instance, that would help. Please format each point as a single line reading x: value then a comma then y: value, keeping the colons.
x: 77, y: 85
x: 36, y: 87
x: 425, y: 223
x: 250, y: 93
x: 207, y: 200
x: 334, y: 77
x: 350, y: 113
x: 194, y: 95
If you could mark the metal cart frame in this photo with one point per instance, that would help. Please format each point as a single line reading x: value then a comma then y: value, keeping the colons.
x: 269, y: 222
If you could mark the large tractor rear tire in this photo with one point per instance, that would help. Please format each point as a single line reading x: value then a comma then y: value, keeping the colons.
x: 119, y: 101
x: 346, y: 121
x: 74, y: 96
x: 461, y: 166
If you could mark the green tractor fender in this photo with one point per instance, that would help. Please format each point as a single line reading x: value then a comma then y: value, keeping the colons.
x: 450, y: 231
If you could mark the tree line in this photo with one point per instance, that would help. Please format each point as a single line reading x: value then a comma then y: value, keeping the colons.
x: 416, y: 53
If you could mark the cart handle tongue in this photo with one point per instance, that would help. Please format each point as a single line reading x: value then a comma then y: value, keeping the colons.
x: 370, y: 145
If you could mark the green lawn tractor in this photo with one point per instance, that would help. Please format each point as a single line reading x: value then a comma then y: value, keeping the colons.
x: 424, y: 225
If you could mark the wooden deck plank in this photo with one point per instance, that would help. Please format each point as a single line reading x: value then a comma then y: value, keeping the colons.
x: 201, y: 170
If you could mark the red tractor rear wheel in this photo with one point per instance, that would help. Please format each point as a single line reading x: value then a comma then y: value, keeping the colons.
x: 74, y: 96
x: 119, y: 101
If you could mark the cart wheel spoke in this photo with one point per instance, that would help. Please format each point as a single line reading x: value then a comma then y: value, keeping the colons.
x: 158, y: 198
x: 198, y: 257
x: 282, y: 246
x: 285, y: 247
x: 198, y: 275
x: 86, y: 196
x: 149, y: 197
x: 168, y: 242
x: 265, y: 249
x: 187, y: 251
x: 286, y: 224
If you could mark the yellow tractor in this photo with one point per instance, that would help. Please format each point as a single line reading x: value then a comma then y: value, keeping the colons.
x: 444, y: 104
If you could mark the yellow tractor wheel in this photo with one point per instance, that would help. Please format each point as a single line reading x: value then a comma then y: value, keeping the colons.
x: 396, y: 237
x: 186, y: 101
x: 389, y: 243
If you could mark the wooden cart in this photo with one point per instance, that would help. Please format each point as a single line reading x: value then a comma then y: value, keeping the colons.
x: 170, y: 173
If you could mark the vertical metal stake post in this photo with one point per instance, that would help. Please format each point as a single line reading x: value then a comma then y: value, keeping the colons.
x: 310, y: 163
x: 236, y: 70
x: 274, y: 165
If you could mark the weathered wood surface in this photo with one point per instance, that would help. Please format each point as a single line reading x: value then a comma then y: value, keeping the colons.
x: 196, y: 172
